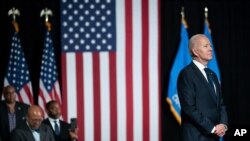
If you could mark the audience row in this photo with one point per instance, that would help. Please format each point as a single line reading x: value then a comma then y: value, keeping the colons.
x: 22, y: 122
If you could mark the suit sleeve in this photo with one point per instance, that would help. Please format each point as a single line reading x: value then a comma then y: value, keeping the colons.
x: 223, y: 113
x: 15, y: 136
x: 49, y: 133
x: 186, y: 93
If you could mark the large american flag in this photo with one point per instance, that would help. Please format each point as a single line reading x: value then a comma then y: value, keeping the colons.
x: 18, y: 73
x: 48, y: 83
x: 110, y: 68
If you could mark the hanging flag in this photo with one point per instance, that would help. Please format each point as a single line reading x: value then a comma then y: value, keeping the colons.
x: 49, y: 88
x: 17, y: 72
x: 182, y: 59
x: 213, y: 63
x: 110, y: 68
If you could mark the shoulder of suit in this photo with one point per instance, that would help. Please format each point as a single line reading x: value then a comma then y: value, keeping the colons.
x: 44, y: 126
x: 188, y: 67
x: 22, y: 104
x: 64, y: 122
x: 46, y: 121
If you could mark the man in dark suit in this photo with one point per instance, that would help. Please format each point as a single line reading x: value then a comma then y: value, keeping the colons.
x: 61, y: 129
x: 33, y: 129
x: 12, y: 113
x: 203, y: 113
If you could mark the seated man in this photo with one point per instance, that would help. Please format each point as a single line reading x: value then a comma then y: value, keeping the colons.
x: 62, y: 131
x: 12, y: 112
x: 33, y: 129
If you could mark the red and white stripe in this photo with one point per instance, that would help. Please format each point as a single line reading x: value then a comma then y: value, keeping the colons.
x: 44, y: 96
x: 115, y: 95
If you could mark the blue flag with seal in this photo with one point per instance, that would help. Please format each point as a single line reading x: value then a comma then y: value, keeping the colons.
x: 213, y: 65
x: 182, y: 59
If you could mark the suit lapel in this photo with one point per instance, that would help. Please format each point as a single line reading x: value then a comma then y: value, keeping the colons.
x: 203, y: 80
x: 217, y: 86
x: 5, y: 115
x: 50, y: 125
x: 42, y: 133
x: 19, y: 112
x: 29, y: 133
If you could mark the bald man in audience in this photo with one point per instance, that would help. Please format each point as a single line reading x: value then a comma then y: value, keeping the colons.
x: 33, y: 129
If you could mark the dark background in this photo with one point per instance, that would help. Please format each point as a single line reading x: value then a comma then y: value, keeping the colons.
x: 228, y: 22
x: 32, y: 32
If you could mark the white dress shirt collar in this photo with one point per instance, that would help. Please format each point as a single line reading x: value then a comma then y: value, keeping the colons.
x: 201, y: 67
x: 52, y: 122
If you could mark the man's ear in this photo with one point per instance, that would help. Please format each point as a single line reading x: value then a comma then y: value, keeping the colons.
x: 194, y: 52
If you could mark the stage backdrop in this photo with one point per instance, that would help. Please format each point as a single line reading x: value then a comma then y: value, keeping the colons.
x: 230, y: 35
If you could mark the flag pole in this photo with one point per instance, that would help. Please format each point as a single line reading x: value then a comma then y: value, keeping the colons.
x: 14, y: 13
x: 16, y: 75
x: 183, y: 18
x: 206, y: 12
x: 215, y: 66
x: 50, y: 91
x: 46, y: 13
x: 172, y: 98
x: 206, y: 17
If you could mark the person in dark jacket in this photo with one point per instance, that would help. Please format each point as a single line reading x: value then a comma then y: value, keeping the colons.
x: 61, y: 129
x: 12, y: 112
x: 33, y: 129
x: 203, y: 113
